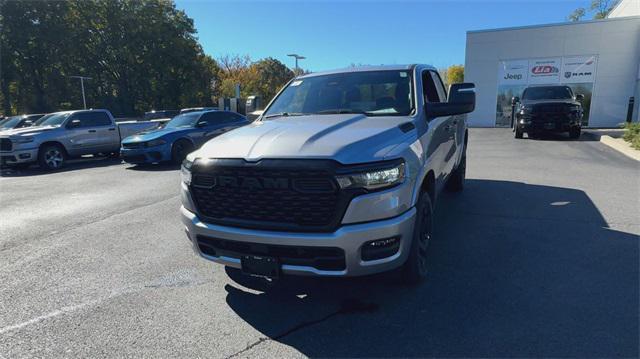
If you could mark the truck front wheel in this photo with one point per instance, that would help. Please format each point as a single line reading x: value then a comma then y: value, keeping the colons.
x: 51, y: 157
x: 414, y: 269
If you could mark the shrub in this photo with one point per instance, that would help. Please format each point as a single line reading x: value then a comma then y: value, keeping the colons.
x: 632, y: 134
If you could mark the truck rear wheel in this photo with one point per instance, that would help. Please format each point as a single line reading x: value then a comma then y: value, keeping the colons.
x: 51, y: 157
x: 414, y: 269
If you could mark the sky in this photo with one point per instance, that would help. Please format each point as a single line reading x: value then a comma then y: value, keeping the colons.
x: 337, y: 34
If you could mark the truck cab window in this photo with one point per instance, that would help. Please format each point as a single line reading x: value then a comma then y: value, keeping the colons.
x: 430, y: 92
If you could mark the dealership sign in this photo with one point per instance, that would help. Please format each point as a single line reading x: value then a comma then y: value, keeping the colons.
x: 579, y: 69
x: 547, y: 71
x: 513, y: 72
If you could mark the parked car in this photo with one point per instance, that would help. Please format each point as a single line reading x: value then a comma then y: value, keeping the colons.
x: 180, y: 136
x: 162, y: 114
x: 19, y: 121
x: 338, y: 177
x: 194, y: 109
x: 63, y: 135
x: 548, y: 109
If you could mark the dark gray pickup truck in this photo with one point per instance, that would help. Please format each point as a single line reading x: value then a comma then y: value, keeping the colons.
x: 548, y: 109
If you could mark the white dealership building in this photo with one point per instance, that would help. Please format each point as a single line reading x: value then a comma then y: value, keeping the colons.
x: 599, y: 59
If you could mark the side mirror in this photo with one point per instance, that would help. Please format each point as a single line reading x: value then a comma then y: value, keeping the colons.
x: 515, y: 100
x: 74, y: 124
x: 579, y: 97
x: 27, y: 124
x: 462, y: 99
x: 202, y: 124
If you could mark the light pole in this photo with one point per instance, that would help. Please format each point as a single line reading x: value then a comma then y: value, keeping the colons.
x: 297, y: 57
x: 82, y: 78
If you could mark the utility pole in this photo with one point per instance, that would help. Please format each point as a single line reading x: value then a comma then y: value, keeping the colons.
x: 297, y: 57
x: 82, y: 78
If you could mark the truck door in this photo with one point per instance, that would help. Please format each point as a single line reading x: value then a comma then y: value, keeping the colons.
x: 439, y: 145
x: 90, y: 132
x: 451, y: 127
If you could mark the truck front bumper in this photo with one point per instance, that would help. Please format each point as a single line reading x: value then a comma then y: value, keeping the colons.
x: 298, y: 249
x: 18, y: 156
x: 146, y: 155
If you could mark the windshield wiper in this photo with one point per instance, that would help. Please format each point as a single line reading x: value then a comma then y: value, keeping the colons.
x: 341, y: 111
x: 284, y: 114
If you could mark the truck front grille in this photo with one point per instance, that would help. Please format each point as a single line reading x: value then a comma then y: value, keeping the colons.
x: 5, y: 144
x: 275, y: 195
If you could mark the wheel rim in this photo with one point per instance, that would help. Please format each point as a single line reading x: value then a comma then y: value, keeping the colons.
x: 53, y: 158
x: 424, y: 239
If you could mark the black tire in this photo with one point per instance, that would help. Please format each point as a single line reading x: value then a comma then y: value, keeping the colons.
x: 455, y: 183
x: 414, y: 270
x: 575, y: 133
x: 518, y: 133
x: 51, y: 157
x: 180, y: 150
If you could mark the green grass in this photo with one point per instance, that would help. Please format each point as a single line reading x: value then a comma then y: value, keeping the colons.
x: 632, y: 134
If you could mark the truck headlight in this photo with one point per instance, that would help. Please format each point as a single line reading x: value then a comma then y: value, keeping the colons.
x: 154, y: 143
x: 185, y: 171
x: 524, y: 109
x: 22, y: 139
x: 373, y: 179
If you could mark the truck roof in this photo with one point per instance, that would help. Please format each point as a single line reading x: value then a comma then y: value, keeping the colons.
x: 366, y: 68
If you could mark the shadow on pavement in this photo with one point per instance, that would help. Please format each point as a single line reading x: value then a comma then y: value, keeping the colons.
x: 516, y: 270
x: 155, y: 167
x: 70, y: 165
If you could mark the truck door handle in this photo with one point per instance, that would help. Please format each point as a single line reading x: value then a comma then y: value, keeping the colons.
x: 112, y: 129
x: 91, y: 131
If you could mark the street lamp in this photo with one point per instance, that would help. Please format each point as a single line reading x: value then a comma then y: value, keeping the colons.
x: 82, y: 78
x: 297, y: 57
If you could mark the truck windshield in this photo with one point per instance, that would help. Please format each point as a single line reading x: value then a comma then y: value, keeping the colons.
x: 184, y: 120
x: 10, y: 122
x: 547, y: 93
x: 374, y: 93
x: 43, y: 119
x: 54, y: 119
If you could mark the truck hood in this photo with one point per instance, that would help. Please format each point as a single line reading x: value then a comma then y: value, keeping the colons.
x: 347, y: 138
x: 27, y: 131
x: 535, y: 102
x: 155, y: 134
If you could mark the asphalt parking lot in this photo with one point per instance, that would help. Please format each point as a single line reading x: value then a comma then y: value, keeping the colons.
x: 537, y: 257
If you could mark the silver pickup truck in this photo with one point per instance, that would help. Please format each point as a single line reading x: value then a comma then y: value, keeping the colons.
x: 338, y: 177
x: 61, y: 135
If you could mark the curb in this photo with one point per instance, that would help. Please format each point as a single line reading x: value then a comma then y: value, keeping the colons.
x: 621, y: 146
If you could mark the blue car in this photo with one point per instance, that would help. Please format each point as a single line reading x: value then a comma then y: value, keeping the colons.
x: 178, y: 137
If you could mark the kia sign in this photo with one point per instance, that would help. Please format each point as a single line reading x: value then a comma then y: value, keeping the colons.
x: 579, y: 69
x: 545, y: 71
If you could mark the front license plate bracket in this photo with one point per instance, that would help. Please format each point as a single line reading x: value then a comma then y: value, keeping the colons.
x: 260, y: 266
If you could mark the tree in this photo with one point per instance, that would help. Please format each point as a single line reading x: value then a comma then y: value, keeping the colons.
x: 599, y: 8
x: 602, y: 8
x: 141, y: 54
x: 263, y: 78
x: 577, y: 14
x: 455, y: 74
x: 272, y: 75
